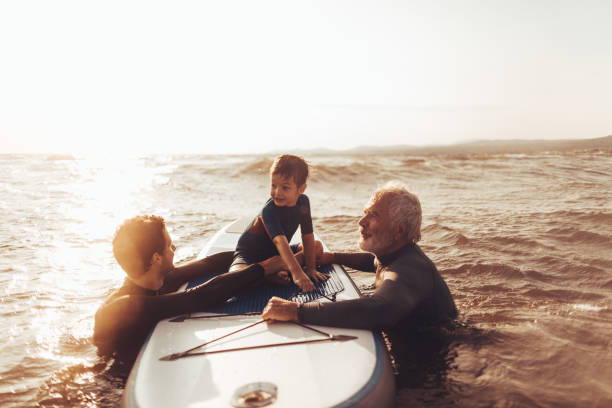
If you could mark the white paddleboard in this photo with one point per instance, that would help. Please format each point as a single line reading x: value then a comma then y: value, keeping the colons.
x: 320, y: 373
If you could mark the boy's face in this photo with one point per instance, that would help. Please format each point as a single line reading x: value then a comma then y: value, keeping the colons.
x: 284, y: 191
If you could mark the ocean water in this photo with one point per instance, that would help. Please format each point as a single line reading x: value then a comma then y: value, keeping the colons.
x: 524, y: 242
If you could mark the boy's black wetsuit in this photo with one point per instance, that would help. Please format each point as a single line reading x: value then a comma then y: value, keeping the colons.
x: 255, y: 244
x: 126, y: 318
x: 409, y: 293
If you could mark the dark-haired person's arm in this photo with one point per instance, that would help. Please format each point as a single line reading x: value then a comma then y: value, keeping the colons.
x: 210, y: 265
x: 125, y: 322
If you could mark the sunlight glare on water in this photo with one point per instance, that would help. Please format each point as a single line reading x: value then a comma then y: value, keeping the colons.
x: 101, y: 192
x: 68, y: 221
x: 588, y: 308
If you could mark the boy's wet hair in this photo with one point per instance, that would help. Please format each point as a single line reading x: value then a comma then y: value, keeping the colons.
x: 289, y: 165
x: 135, y: 242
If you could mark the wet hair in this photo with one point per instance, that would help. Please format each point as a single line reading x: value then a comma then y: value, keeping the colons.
x: 135, y: 242
x: 404, y: 208
x: 288, y: 165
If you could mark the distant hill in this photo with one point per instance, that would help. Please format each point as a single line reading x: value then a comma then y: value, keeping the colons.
x: 514, y: 146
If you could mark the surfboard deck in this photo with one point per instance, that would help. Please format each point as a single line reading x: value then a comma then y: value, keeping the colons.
x: 319, y: 373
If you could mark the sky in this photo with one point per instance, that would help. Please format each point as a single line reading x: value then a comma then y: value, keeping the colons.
x: 213, y: 77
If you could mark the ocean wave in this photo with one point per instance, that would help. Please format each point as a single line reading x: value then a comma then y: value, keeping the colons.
x: 602, y: 263
x: 465, y: 157
x: 580, y: 275
x: 500, y: 271
x: 413, y: 161
x: 513, y: 242
x: 344, y: 171
x: 440, y: 234
x: 203, y: 166
x: 256, y: 167
x: 338, y: 220
x: 339, y: 232
x: 582, y: 271
x: 327, y: 171
x: 223, y: 166
x: 563, y: 295
x: 603, y: 217
x: 575, y: 236
x: 197, y: 168
x: 533, y: 275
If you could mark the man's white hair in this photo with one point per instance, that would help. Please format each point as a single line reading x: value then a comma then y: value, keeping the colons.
x: 404, y: 208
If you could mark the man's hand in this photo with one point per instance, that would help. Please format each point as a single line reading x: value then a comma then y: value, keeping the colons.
x: 280, y: 309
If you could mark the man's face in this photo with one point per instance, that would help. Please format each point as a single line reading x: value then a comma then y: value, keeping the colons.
x: 168, y: 253
x: 283, y: 190
x: 375, y: 227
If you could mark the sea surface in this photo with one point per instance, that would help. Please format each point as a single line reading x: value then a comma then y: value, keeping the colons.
x: 524, y: 242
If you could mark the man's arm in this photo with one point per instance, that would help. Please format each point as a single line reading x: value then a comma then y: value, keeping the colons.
x: 210, y: 265
x: 392, y: 302
x: 362, y: 261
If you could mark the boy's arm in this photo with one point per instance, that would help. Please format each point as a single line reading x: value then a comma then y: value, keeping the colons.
x: 308, y: 242
x: 299, y: 277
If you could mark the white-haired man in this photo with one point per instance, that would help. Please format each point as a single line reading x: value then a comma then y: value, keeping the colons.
x: 409, y: 291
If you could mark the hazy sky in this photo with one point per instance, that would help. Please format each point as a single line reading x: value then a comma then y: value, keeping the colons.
x: 239, y: 76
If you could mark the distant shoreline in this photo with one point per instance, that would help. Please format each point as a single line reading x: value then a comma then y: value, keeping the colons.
x: 514, y: 146
x: 483, y: 147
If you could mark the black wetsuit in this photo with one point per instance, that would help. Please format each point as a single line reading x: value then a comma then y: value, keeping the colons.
x: 126, y: 318
x: 255, y: 244
x: 409, y: 292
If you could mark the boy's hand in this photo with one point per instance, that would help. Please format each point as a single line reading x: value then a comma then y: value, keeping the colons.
x: 315, y: 275
x: 304, y: 283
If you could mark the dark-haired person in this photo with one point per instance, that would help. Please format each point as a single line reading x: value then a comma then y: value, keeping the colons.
x: 144, y: 250
x: 409, y: 291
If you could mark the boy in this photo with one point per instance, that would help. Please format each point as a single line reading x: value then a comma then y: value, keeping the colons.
x: 270, y: 232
